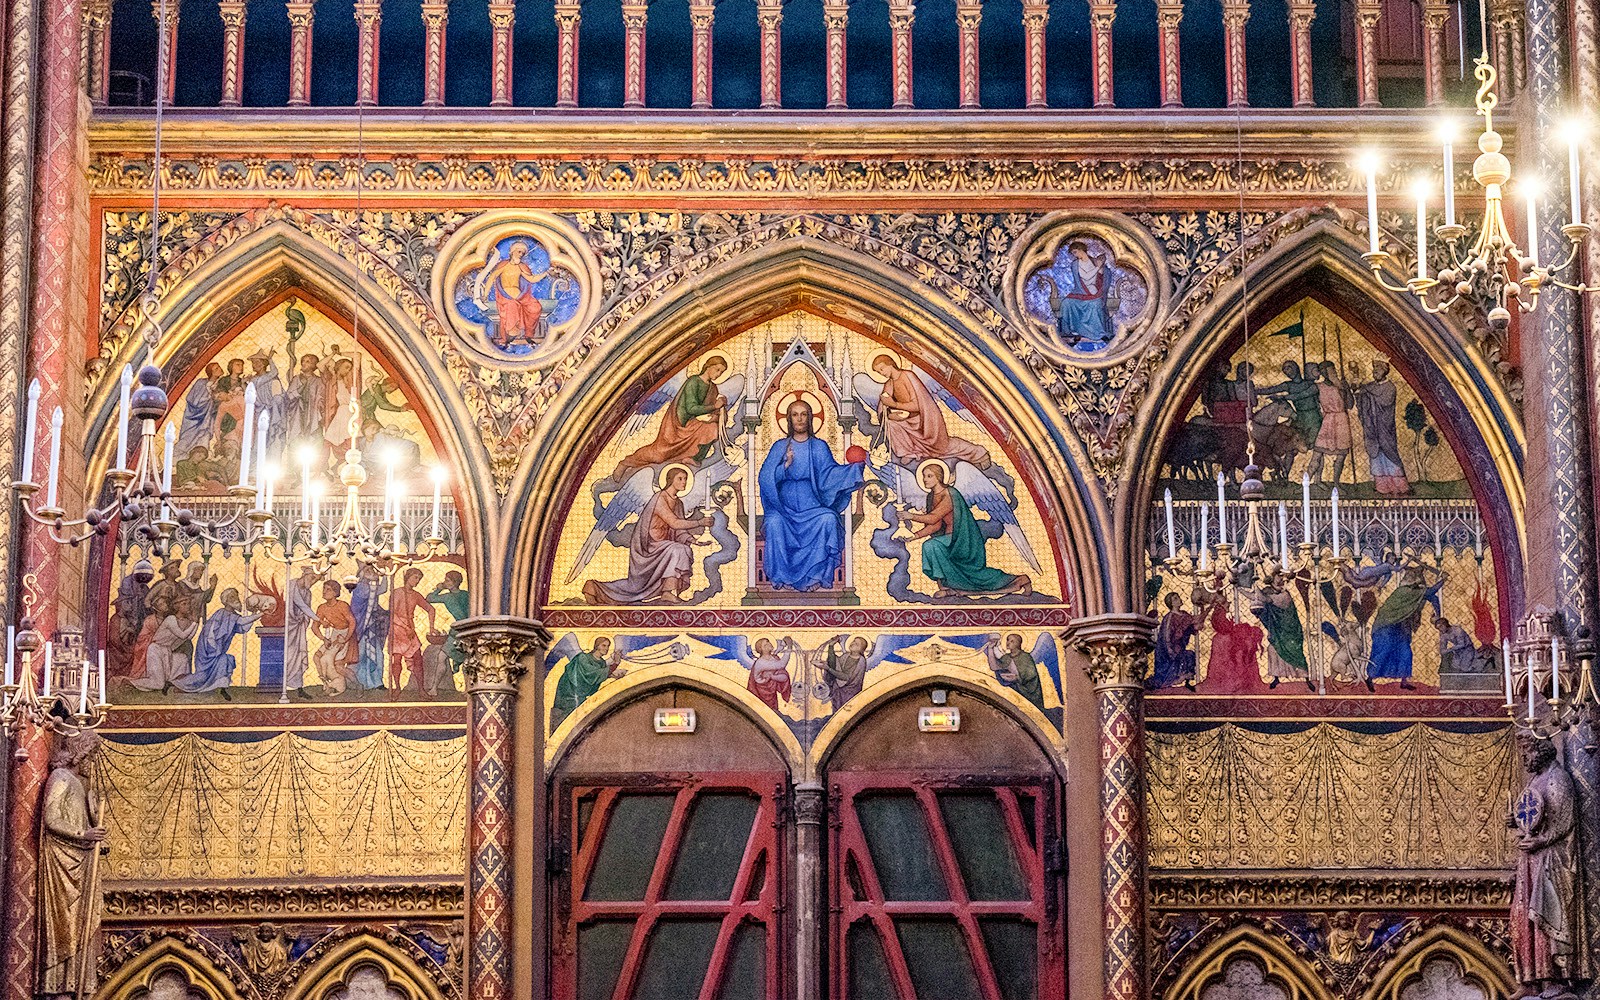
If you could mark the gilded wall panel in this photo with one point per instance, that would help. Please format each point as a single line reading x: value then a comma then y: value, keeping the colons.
x: 1329, y: 797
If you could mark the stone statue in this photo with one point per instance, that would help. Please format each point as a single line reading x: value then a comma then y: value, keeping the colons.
x: 1548, y: 937
x: 70, y: 839
x: 265, y: 949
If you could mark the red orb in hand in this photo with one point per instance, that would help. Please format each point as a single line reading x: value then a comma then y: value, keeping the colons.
x: 855, y: 454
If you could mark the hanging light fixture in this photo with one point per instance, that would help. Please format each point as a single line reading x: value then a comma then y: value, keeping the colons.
x: 1548, y: 690
x: 1491, y: 267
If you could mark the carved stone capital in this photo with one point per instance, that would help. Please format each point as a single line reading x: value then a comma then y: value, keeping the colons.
x: 435, y: 16
x: 499, y: 650
x: 301, y: 13
x: 1118, y: 647
x: 836, y: 15
x: 231, y: 11
x: 1434, y: 15
x: 634, y: 16
x: 702, y: 14
x: 969, y: 16
x: 97, y: 13
x: 770, y: 15
x: 1235, y: 13
x: 568, y: 16
x: 1301, y: 15
x: 1169, y: 15
x: 809, y: 799
x: 502, y: 16
x: 1035, y: 16
x: 369, y: 13
x: 1102, y: 15
x: 902, y: 16
x: 1368, y: 15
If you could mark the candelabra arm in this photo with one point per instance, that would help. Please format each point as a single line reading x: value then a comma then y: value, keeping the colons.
x: 1377, y: 261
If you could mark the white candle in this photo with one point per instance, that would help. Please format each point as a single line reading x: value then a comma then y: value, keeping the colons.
x: 262, y: 423
x: 438, y: 500
x: 1421, y: 190
x: 1305, y: 507
x: 247, y: 445
x: 1505, y: 659
x: 122, y: 425
x: 1574, y: 137
x: 305, y: 483
x: 1530, y: 687
x: 1335, y: 499
x: 1369, y: 163
x: 270, y: 475
x: 1555, y: 669
x: 1172, y: 536
x: 169, y: 437
x: 1449, y: 175
x: 399, y: 501
x: 55, y: 457
x: 1477, y: 541
x: 316, y: 518
x: 11, y: 655
x: 83, y: 687
x: 103, y: 699
x: 1205, y: 536
x: 49, y: 665
x: 1532, y: 193
x: 31, y: 440
x: 1283, y: 533
x: 1222, y: 510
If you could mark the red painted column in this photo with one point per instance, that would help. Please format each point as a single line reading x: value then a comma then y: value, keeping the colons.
x: 369, y: 21
x: 770, y: 14
x: 168, y: 81
x: 1509, y: 17
x: 233, y: 13
x: 1101, y: 17
x: 55, y: 352
x: 701, y: 16
x: 968, y: 17
x: 502, y: 18
x: 435, y: 17
x: 634, y: 16
x: 1034, y: 18
x: 97, y: 51
x: 1434, y: 17
x: 1117, y: 647
x: 1168, y: 17
x: 902, y: 15
x: 1235, y: 14
x: 568, y: 17
x: 836, y: 16
x: 302, y: 13
x: 1367, y: 15
x: 1302, y: 92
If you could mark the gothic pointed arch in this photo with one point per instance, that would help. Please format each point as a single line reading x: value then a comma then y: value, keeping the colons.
x: 1247, y: 958
x: 1442, y: 952
x: 171, y: 968
x: 366, y: 963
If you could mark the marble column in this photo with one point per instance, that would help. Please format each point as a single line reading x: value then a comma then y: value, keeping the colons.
x: 1168, y: 17
x: 568, y: 17
x: 1303, y: 93
x: 701, y: 17
x: 1034, y: 18
x: 968, y: 17
x: 1118, y: 649
x: 1235, y: 15
x: 1368, y: 12
x: 502, y: 18
x: 902, y: 15
x: 770, y: 14
x: 233, y: 15
x: 97, y: 51
x: 809, y: 891
x: 836, y: 16
x: 166, y: 35
x: 302, y: 14
x: 1101, y: 17
x: 634, y: 16
x: 500, y: 651
x: 369, y: 23
x: 435, y: 18
x: 1435, y: 15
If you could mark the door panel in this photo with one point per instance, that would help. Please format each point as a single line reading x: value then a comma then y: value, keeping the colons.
x: 945, y: 886
x: 671, y: 892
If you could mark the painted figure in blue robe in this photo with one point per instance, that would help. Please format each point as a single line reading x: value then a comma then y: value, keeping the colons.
x: 1078, y: 292
x: 214, y: 662
x: 199, y: 423
x: 372, y: 626
x: 803, y: 493
x: 1396, y: 622
x: 1174, y: 660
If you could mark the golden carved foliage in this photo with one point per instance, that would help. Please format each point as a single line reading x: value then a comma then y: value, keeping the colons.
x: 1329, y: 797
x: 290, y: 806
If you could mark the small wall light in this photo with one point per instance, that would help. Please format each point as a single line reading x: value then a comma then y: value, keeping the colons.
x: 945, y: 719
x: 675, y: 720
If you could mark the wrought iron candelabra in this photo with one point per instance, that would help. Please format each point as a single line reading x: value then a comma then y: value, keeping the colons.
x: 1548, y: 689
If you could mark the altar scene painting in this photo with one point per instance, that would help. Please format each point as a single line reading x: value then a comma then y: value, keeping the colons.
x: 802, y: 463
x: 1405, y: 601
x: 201, y: 623
x: 802, y: 675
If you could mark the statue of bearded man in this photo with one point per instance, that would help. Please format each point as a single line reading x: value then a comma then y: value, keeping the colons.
x: 1549, y: 942
x: 70, y: 839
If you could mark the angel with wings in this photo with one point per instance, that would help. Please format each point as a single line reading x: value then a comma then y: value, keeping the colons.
x: 910, y: 418
x: 587, y: 669
x: 767, y: 661
x: 693, y: 426
x: 844, y: 671
x: 661, y: 551
x: 954, y: 547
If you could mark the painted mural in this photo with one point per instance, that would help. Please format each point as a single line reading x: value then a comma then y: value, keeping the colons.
x: 517, y: 295
x: 1410, y: 605
x: 202, y: 623
x: 803, y: 676
x: 1084, y: 296
x: 803, y: 463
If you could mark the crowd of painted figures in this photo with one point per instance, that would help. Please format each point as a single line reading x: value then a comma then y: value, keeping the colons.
x: 171, y: 630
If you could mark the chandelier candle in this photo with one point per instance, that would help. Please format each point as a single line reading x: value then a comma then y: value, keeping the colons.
x: 261, y: 455
x: 1420, y: 188
x: 49, y: 662
x: 55, y: 459
x: 1335, y: 499
x: 1573, y: 132
x: 122, y: 425
x: 1505, y: 658
x: 33, y: 431
x: 246, y: 446
x: 1222, y: 510
x: 1283, y: 533
x: 1305, y: 507
x: 1205, y: 534
x: 1555, y: 668
x: 1172, y: 539
x: 11, y: 655
x: 1530, y: 191
x: 1369, y: 165
x: 438, y: 497
x: 1447, y: 135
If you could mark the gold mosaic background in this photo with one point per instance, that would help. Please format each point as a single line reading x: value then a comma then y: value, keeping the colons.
x: 1327, y: 797
x: 288, y: 807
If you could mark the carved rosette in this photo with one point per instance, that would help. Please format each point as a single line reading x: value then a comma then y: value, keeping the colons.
x: 1118, y: 649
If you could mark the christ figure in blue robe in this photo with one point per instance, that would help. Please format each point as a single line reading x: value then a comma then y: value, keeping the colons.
x: 214, y: 662
x: 803, y: 493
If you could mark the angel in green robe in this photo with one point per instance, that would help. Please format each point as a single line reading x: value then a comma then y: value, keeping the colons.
x: 953, y: 550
